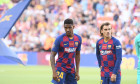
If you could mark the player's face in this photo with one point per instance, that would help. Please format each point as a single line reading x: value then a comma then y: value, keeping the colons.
x: 69, y: 29
x: 107, y: 31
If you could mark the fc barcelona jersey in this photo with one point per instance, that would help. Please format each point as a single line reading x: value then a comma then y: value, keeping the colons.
x: 66, y: 48
x: 109, y: 56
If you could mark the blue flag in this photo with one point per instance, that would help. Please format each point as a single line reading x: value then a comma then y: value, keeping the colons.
x: 6, y: 23
x: 8, y: 53
x: 9, y: 19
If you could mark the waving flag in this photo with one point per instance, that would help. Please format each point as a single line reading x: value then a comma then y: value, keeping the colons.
x: 6, y: 23
x: 9, y: 19
x: 6, y: 52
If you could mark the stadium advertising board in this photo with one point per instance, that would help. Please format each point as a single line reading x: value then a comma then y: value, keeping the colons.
x: 129, y: 62
x: 87, y: 60
x: 43, y: 58
x: 28, y: 58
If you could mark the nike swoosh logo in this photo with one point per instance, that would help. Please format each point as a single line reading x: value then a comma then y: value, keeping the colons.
x: 65, y: 44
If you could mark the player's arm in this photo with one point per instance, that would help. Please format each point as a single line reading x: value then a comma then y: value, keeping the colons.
x: 54, y: 51
x: 77, y: 59
x: 52, y: 59
x: 98, y: 55
x: 118, y: 49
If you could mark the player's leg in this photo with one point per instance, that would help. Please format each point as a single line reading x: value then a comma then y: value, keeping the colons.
x: 104, y: 80
x: 62, y: 76
x: 118, y: 81
x: 70, y: 79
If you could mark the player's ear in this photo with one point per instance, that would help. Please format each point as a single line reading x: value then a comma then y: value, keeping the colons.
x: 73, y: 26
x: 102, y: 31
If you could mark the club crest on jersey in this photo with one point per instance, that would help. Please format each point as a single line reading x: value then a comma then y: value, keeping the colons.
x: 70, y: 49
x: 109, y: 46
x: 76, y: 43
x: 105, y: 52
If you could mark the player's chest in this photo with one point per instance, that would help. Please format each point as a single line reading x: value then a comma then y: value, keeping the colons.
x: 69, y: 46
x: 106, y: 49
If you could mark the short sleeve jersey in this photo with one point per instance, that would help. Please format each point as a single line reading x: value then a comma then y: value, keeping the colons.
x: 66, y: 49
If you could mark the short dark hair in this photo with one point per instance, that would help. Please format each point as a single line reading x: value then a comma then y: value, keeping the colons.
x: 68, y: 21
x: 104, y: 24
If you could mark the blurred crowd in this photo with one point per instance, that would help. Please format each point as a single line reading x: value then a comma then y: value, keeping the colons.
x: 42, y: 22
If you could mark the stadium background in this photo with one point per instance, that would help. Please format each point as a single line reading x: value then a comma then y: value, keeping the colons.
x: 34, y: 33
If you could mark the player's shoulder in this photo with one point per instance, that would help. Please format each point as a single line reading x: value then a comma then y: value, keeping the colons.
x: 100, y: 40
x: 115, y: 40
x: 60, y: 37
x: 77, y: 36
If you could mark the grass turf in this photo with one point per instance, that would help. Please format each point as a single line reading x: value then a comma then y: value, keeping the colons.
x: 17, y: 74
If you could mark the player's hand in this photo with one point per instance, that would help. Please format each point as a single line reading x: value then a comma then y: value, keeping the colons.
x: 77, y: 76
x: 56, y: 77
x: 100, y: 67
x: 113, y: 77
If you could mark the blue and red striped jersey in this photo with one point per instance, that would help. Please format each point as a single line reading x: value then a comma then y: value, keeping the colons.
x: 66, y: 49
x: 109, y: 56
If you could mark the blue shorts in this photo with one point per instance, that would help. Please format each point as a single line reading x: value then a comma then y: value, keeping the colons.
x: 106, y: 80
x: 65, y: 78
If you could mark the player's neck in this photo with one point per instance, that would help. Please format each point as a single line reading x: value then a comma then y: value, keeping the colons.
x: 70, y: 36
x: 106, y: 39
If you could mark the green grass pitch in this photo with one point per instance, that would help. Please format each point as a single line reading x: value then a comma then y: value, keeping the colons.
x: 18, y: 74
